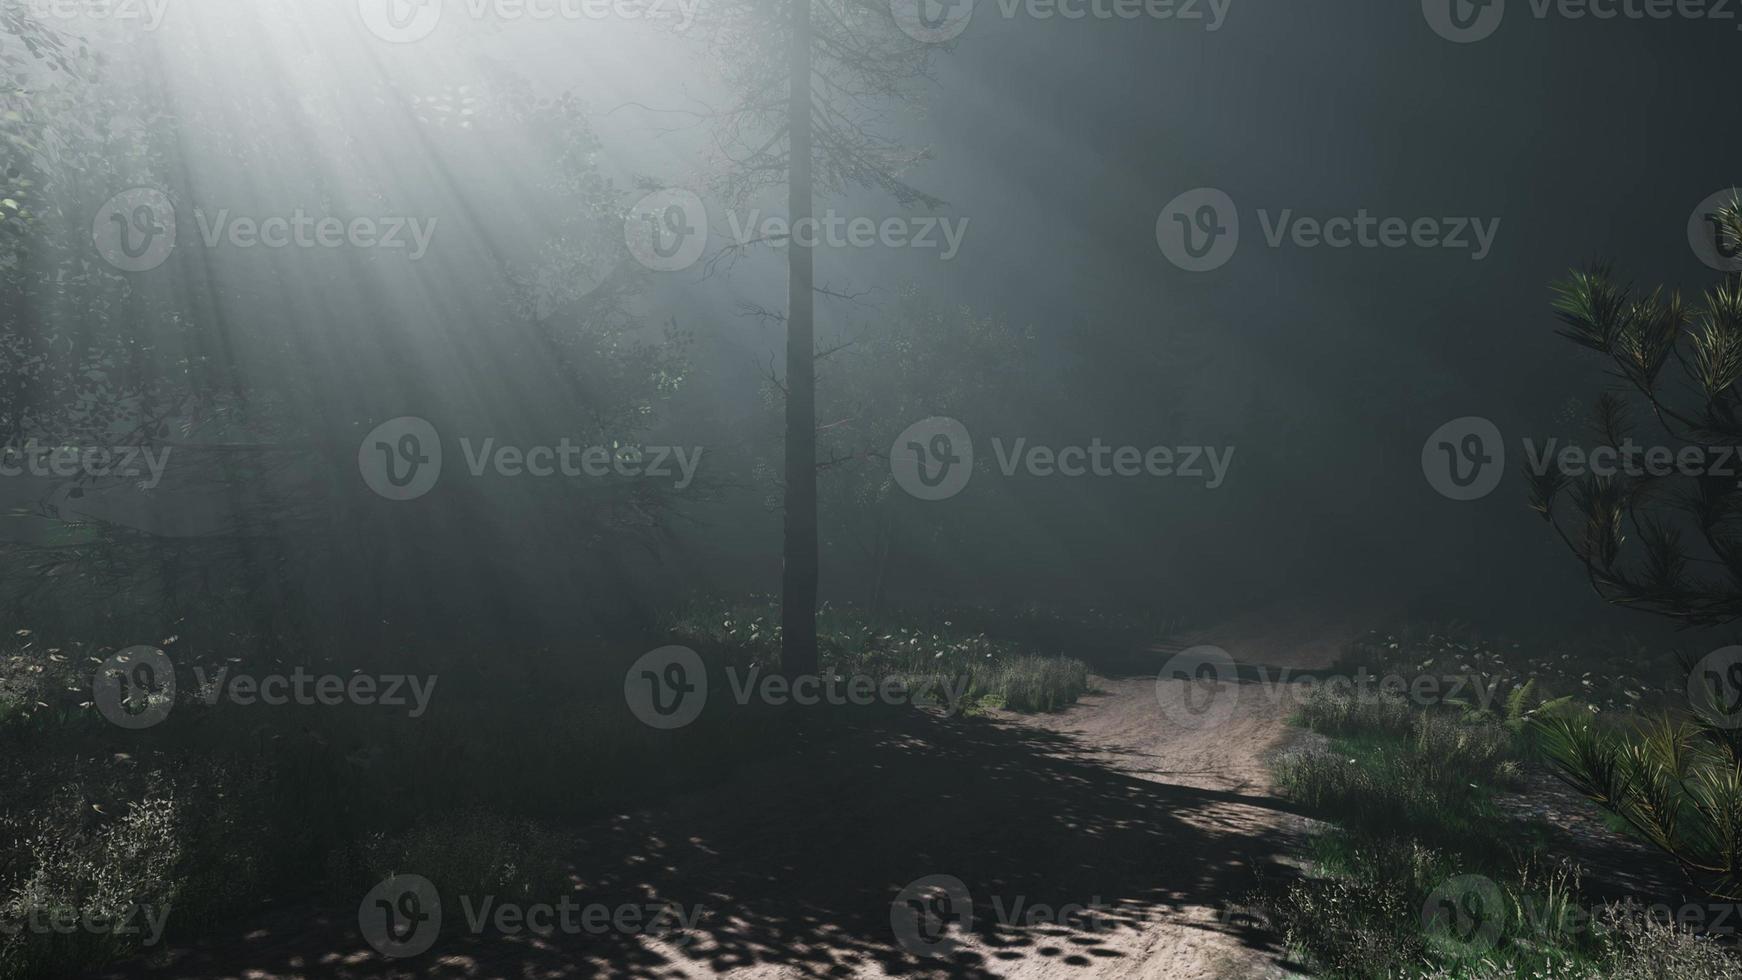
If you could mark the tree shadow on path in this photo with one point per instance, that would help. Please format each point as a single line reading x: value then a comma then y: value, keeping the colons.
x: 797, y: 863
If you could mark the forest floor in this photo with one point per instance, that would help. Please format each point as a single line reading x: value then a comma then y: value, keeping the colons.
x: 1152, y: 823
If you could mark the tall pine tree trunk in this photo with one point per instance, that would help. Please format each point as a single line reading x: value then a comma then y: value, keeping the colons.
x: 798, y: 614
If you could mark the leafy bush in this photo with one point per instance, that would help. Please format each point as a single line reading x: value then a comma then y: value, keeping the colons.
x: 59, y: 861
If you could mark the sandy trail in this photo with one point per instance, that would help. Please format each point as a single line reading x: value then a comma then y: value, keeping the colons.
x: 1126, y: 804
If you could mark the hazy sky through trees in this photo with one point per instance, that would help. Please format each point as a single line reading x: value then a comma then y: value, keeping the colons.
x: 1058, y: 142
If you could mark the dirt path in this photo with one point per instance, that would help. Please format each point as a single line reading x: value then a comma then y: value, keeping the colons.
x: 1128, y: 805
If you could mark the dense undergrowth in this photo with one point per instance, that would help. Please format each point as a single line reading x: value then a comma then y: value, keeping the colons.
x: 1417, y: 872
x: 222, y: 808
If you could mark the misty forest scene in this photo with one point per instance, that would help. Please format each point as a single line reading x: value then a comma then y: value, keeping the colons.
x: 1204, y: 489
